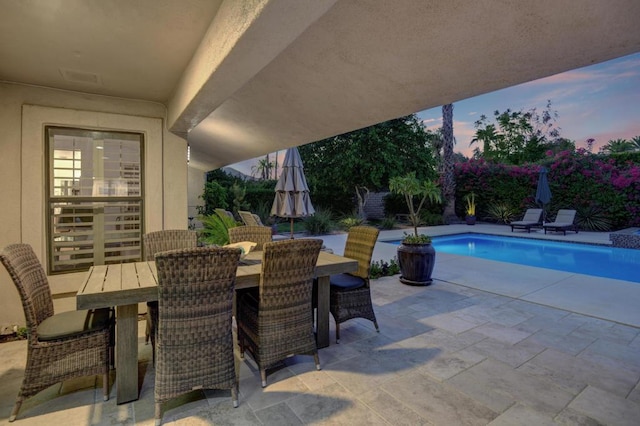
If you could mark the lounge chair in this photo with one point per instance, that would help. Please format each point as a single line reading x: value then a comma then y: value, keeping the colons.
x: 563, y: 222
x: 532, y: 217
x: 250, y: 219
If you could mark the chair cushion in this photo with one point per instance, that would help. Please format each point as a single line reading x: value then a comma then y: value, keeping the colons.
x: 74, y: 323
x: 346, y: 281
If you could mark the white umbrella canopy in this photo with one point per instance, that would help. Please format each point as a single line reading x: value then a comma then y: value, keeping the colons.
x: 292, y: 192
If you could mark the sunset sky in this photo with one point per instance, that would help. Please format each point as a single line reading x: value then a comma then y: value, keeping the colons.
x: 601, y: 101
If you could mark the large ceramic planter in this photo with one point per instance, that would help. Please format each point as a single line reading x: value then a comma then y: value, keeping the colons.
x: 416, y: 263
x: 471, y: 220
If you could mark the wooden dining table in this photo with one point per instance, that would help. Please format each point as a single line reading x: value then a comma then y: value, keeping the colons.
x: 126, y: 285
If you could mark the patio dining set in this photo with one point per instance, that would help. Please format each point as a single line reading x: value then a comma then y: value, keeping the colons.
x: 279, y: 295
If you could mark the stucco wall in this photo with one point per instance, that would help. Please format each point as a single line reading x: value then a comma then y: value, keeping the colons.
x: 23, y: 112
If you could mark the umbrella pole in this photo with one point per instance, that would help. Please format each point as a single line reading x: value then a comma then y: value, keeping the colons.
x: 291, y: 228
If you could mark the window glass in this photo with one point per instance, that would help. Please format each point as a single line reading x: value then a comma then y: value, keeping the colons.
x: 95, y: 198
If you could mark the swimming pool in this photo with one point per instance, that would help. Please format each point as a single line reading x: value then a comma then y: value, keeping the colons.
x: 599, y: 261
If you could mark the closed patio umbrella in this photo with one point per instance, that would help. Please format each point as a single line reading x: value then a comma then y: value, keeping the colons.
x: 543, y: 192
x: 292, y: 192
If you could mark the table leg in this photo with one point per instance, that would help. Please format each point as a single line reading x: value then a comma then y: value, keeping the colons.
x: 322, y: 326
x: 127, y: 353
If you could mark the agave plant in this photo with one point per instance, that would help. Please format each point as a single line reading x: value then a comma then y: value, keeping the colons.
x: 593, y: 218
x: 501, y: 212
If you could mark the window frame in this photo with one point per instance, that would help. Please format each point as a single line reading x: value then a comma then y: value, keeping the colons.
x: 84, y: 202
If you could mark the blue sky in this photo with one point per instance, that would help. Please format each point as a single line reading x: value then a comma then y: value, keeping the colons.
x: 600, y: 101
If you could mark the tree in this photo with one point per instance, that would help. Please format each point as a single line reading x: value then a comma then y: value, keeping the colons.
x: 517, y: 137
x: 409, y: 187
x: 262, y: 169
x: 364, y: 160
x: 448, y: 177
x: 617, y: 145
x: 635, y: 142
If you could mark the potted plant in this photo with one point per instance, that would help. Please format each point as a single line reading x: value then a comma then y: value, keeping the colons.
x: 416, y: 255
x: 470, y: 200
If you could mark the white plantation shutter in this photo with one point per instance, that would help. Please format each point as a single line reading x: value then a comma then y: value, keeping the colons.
x: 95, y: 198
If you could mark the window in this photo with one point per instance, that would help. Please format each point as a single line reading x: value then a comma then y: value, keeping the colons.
x: 94, y: 198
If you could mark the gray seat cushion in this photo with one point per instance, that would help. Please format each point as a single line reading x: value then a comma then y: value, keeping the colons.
x: 74, y: 323
x: 346, y: 281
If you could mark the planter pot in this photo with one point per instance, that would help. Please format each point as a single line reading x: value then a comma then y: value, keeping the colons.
x: 416, y: 263
x: 471, y: 220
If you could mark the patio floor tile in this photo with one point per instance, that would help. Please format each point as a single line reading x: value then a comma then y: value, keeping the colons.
x: 450, y: 353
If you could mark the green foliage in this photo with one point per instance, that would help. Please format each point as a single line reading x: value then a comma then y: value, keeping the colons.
x: 215, y: 229
x: 617, y: 145
x: 22, y: 332
x: 349, y: 221
x: 238, y: 192
x: 320, y: 223
x: 409, y: 186
x: 501, y: 213
x: 394, y: 204
x: 431, y: 219
x: 259, y: 197
x: 577, y: 179
x: 516, y: 137
x: 593, y: 218
x: 214, y: 195
x: 622, y: 159
x: 383, y: 269
x: 416, y: 238
x: 388, y: 222
x: 368, y: 157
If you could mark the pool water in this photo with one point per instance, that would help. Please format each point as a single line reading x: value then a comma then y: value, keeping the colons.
x: 599, y: 261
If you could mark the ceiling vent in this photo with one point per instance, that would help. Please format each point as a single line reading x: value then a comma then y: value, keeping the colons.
x: 75, y: 76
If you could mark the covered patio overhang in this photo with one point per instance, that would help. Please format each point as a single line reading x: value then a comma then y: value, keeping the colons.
x: 243, y: 79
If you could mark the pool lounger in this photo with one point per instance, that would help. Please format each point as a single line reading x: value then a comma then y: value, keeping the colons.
x: 563, y: 222
x: 531, y: 219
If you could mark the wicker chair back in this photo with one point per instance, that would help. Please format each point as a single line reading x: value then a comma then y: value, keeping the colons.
x: 194, y: 335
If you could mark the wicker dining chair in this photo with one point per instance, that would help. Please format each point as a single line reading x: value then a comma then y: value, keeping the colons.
x: 156, y: 242
x: 273, y: 321
x: 60, y: 346
x: 350, y: 294
x: 256, y: 234
x: 194, y: 333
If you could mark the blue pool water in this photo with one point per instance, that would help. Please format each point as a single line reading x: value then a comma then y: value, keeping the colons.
x: 599, y: 261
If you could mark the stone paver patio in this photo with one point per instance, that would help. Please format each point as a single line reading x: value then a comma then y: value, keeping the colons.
x: 448, y: 354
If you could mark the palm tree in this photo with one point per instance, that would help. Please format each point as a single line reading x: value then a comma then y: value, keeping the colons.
x: 263, y: 168
x: 487, y: 136
x: 617, y: 145
x: 635, y: 142
x: 448, y: 178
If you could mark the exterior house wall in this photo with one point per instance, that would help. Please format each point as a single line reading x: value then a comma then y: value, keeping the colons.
x: 197, y: 179
x: 24, y: 111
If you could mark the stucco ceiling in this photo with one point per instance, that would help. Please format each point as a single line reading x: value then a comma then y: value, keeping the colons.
x: 242, y: 78
x: 126, y: 48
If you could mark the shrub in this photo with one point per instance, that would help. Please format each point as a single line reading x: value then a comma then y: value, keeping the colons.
x: 384, y: 269
x: 320, y: 223
x: 431, y: 219
x: 578, y: 180
x: 348, y: 222
x: 216, y: 229
x: 214, y: 195
x: 501, y: 213
x: 388, y: 222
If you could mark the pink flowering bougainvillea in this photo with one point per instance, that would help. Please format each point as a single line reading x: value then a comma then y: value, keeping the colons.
x: 579, y: 180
